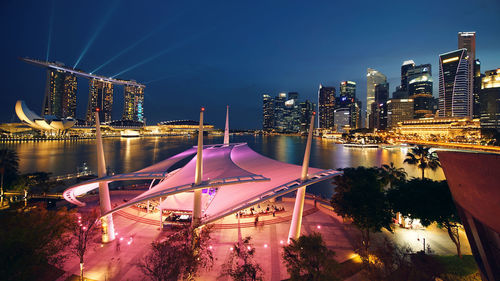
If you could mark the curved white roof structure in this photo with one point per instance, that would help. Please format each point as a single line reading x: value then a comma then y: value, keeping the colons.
x: 241, y: 177
x: 37, y: 122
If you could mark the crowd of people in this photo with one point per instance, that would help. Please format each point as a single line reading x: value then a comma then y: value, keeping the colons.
x: 258, y: 210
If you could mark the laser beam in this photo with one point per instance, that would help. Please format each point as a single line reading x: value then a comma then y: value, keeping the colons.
x: 159, y: 79
x: 167, y: 50
x: 96, y: 33
x: 51, y: 23
x: 145, y: 37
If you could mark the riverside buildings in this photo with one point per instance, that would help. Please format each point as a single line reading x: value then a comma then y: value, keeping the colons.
x: 60, y: 97
x: 326, y: 107
x: 373, y: 77
x: 490, y: 100
x: 285, y: 113
x: 399, y: 110
x: 455, y: 93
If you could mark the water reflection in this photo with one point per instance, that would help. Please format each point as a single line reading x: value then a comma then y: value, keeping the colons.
x: 131, y: 154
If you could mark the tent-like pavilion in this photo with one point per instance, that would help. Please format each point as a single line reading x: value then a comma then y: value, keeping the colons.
x: 235, y: 177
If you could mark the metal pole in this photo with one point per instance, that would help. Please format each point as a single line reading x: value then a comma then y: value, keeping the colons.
x: 298, y: 208
x: 198, y: 176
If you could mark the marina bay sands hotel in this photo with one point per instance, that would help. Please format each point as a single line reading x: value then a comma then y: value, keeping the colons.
x: 61, y: 90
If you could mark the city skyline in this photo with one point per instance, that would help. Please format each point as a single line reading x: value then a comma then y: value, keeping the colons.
x: 180, y: 57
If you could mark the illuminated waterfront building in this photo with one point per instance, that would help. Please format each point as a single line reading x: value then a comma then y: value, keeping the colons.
x: 347, y: 99
x: 399, y: 110
x: 455, y: 128
x: 100, y: 96
x: 489, y: 98
x: 342, y: 119
x: 267, y: 112
x: 405, y: 68
x: 378, y: 117
x: 455, y: 87
x: 60, y: 94
x: 133, y: 108
x: 420, y: 89
x: 326, y: 107
x: 373, y: 78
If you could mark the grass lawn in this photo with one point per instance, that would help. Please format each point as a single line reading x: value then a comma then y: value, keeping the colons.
x: 458, y: 266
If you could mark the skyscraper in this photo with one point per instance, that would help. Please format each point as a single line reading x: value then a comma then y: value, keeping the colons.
x: 373, y: 77
x: 348, y: 89
x: 405, y: 68
x: 490, y: 100
x: 342, y: 119
x: 267, y: 112
x: 420, y: 89
x: 378, y: 116
x: 60, y: 94
x: 399, y: 110
x: 326, y: 107
x: 133, y: 103
x: 279, y: 112
x: 348, y: 100
x: 476, y: 89
x: 455, y: 93
x: 100, y: 96
x: 467, y: 40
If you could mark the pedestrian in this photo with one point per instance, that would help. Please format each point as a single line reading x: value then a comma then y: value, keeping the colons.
x: 117, y: 249
x: 256, y: 220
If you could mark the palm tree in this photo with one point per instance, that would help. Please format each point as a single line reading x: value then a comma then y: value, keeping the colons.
x: 390, y: 174
x: 422, y: 158
x: 9, y: 164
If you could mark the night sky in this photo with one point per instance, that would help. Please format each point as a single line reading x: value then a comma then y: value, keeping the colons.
x: 213, y: 53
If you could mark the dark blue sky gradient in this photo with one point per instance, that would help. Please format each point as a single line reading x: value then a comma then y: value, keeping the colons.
x: 214, y: 53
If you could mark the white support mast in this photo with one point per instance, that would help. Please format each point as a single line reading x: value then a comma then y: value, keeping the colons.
x: 108, y: 229
x: 198, y: 176
x: 298, y: 208
x: 226, y: 130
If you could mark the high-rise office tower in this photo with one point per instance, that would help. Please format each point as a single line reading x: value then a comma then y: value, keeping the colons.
x: 306, y: 110
x: 420, y: 89
x: 133, y: 109
x: 455, y: 93
x: 400, y: 93
x: 467, y: 40
x: 267, y: 112
x: 399, y: 110
x: 476, y: 89
x: 378, y: 116
x: 348, y: 89
x: 490, y: 100
x: 280, y: 111
x: 342, y: 119
x: 326, y: 107
x: 407, y: 65
x: 100, y: 96
x: 60, y: 94
x: 373, y: 77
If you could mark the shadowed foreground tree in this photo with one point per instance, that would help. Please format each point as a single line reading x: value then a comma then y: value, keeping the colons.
x: 180, y: 256
x: 391, y: 262
x: 390, y: 174
x: 84, y: 231
x: 422, y: 158
x: 9, y: 164
x: 240, y: 264
x: 360, y: 197
x: 430, y: 201
x: 308, y: 258
x: 31, y: 239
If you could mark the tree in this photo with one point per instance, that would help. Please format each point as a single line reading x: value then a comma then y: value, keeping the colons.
x: 30, y: 240
x: 240, y: 265
x: 359, y: 196
x: 9, y: 165
x: 430, y: 201
x: 84, y: 230
x: 422, y: 158
x: 389, y: 174
x: 180, y: 256
x: 308, y: 258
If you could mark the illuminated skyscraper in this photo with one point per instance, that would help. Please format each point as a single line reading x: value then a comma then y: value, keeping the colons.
x: 420, y: 89
x: 373, y: 77
x: 267, y: 112
x: 405, y: 68
x: 326, y: 107
x: 60, y: 94
x: 100, y: 96
x: 133, y: 108
x: 348, y: 99
x: 399, y: 110
x: 455, y: 87
x: 467, y: 40
x: 378, y: 116
x: 490, y: 100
